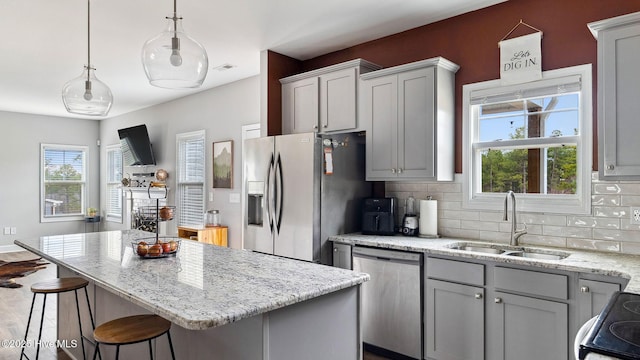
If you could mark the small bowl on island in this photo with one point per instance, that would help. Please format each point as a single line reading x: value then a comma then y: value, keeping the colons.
x: 154, y: 248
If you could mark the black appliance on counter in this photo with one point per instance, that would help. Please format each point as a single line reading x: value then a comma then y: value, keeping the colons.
x: 378, y: 216
x: 616, y: 333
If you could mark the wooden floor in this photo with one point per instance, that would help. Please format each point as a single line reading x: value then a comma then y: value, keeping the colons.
x: 14, y: 307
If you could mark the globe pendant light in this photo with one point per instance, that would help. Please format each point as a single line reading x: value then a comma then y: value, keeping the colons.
x: 86, y: 95
x: 173, y: 59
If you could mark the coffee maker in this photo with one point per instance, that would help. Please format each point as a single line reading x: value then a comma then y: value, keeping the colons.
x: 410, y: 220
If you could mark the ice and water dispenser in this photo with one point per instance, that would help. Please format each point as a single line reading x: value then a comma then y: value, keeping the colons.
x: 255, y: 194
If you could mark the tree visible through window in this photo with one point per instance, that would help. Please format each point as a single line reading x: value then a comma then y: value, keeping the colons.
x: 63, y: 180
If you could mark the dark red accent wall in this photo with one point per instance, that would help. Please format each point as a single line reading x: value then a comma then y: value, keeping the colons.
x: 279, y: 66
x: 471, y: 41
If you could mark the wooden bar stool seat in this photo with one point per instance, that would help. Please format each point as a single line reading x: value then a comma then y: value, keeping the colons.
x: 57, y: 286
x: 131, y: 330
x: 60, y: 285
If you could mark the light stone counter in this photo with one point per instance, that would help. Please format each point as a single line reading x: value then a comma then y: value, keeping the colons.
x: 225, y: 304
x: 609, y: 264
x: 202, y: 287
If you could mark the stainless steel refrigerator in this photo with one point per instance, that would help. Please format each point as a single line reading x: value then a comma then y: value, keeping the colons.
x: 301, y: 189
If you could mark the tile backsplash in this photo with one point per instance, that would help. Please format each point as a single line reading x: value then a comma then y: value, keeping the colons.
x: 608, y: 228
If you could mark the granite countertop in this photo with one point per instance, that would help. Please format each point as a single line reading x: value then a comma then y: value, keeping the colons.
x: 602, y: 263
x: 202, y: 286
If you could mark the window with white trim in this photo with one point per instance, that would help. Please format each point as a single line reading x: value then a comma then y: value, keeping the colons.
x: 191, y: 177
x: 533, y: 138
x: 114, y: 185
x: 63, y: 178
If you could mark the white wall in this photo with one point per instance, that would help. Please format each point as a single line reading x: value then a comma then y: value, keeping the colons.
x: 20, y: 142
x: 221, y: 112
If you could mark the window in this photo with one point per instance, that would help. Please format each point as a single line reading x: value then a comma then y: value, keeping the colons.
x: 191, y: 177
x: 114, y: 189
x: 533, y: 138
x: 63, y: 182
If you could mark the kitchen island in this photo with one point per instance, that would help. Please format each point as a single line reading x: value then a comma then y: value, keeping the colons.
x: 223, y: 303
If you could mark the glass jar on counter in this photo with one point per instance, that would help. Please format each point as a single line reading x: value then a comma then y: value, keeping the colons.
x: 212, y: 218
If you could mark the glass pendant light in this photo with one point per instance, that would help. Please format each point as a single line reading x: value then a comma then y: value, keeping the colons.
x: 173, y: 59
x: 86, y: 95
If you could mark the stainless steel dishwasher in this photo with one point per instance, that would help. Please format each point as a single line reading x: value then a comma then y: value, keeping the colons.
x: 391, y: 300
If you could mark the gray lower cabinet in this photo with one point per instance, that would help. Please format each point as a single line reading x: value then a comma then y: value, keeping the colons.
x: 527, y: 328
x: 342, y: 256
x: 455, y: 321
x: 593, y: 296
x: 477, y: 311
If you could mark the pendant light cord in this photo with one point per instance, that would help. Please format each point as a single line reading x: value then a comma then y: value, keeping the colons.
x: 88, y: 38
x: 175, y: 17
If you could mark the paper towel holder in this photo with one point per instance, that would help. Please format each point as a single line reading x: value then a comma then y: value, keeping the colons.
x: 428, y: 236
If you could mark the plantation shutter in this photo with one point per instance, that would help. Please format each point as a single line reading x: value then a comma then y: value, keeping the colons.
x: 191, y: 177
x: 114, y: 176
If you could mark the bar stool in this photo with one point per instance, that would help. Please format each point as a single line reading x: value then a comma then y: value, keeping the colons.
x: 132, y: 330
x: 57, y: 286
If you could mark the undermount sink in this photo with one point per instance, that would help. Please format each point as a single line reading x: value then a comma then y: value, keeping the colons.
x: 479, y: 248
x: 507, y: 251
x: 537, y: 255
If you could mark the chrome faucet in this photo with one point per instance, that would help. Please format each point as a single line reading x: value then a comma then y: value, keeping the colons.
x: 515, y: 234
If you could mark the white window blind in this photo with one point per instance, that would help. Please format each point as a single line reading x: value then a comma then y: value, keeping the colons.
x: 114, y: 177
x: 63, y: 182
x: 191, y: 177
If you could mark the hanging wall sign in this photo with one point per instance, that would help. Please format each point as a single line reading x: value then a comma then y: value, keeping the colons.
x: 521, y: 59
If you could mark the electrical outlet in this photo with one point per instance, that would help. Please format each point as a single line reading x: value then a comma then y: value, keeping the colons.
x: 7, y: 230
x: 14, y: 231
x: 635, y: 215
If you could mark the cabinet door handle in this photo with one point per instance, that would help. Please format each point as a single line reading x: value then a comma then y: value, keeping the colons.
x: 325, y: 126
x: 610, y: 167
x: 335, y: 249
x: 399, y: 170
x: 393, y: 171
x: 315, y: 127
x: 584, y: 289
x: 479, y: 296
x: 498, y: 300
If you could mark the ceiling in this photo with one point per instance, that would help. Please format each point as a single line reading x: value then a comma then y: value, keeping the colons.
x: 45, y: 42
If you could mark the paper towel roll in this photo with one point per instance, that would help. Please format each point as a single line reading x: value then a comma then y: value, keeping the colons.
x: 428, y: 218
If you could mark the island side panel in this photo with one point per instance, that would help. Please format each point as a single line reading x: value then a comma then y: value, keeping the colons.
x: 327, y: 327
x: 238, y: 340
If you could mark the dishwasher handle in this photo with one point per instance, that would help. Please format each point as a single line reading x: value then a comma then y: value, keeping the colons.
x: 386, y: 255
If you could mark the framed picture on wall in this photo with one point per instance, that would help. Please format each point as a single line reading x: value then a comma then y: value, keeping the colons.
x: 223, y: 164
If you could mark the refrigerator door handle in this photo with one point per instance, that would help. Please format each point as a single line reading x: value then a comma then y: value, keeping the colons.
x: 279, y: 193
x: 268, y: 192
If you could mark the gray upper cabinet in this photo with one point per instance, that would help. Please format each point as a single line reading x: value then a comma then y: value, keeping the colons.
x: 323, y: 100
x: 618, y: 89
x: 300, y: 106
x: 408, y: 112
